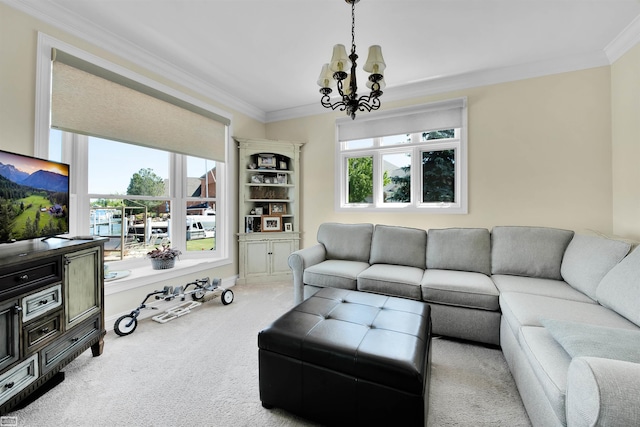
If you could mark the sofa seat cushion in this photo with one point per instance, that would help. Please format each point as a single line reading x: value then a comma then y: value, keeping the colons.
x: 579, y: 339
x: 463, y: 249
x: 528, y: 251
x: 399, y: 245
x: 550, y: 364
x: 394, y: 280
x: 533, y: 285
x: 460, y: 289
x: 527, y: 310
x: 588, y: 259
x: 334, y: 274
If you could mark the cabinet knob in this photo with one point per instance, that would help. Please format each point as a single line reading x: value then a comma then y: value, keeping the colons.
x: 23, y: 278
x: 17, y: 309
x: 76, y: 339
x: 44, y: 330
x: 9, y: 385
x: 43, y: 302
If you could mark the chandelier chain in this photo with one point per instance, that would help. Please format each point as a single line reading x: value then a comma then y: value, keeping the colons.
x: 353, y: 27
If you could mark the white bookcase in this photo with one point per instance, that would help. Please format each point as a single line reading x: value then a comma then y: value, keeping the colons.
x: 268, y: 208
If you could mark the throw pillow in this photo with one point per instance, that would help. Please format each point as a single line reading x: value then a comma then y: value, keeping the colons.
x: 581, y: 339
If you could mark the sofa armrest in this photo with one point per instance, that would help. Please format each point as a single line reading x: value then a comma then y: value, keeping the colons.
x: 603, y: 392
x: 298, y: 261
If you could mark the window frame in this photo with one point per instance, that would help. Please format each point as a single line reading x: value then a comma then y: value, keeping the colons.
x: 416, y: 147
x: 76, y: 154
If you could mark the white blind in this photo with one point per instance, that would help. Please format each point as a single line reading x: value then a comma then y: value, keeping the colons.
x: 430, y: 117
x: 91, y: 100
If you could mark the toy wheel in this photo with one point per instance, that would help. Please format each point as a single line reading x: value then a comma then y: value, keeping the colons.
x: 125, y: 325
x: 227, y: 297
x: 198, y: 294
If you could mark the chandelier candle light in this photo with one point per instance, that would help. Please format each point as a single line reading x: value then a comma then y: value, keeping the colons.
x: 335, y: 73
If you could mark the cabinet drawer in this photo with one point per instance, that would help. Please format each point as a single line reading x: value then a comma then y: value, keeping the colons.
x: 18, y: 378
x: 66, y: 345
x: 33, y: 276
x: 42, y: 330
x: 41, y: 302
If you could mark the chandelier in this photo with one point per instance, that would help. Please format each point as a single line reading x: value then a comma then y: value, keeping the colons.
x: 335, y: 73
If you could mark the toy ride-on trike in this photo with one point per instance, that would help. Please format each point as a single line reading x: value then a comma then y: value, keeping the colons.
x: 202, y: 290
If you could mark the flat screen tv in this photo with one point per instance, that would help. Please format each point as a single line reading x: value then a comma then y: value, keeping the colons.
x: 34, y: 197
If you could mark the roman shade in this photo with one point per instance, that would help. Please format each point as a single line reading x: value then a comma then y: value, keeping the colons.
x: 90, y: 100
x: 431, y: 117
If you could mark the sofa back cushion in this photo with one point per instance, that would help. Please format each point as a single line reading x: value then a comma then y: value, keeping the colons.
x: 619, y: 290
x: 351, y: 242
x: 528, y: 251
x: 463, y: 249
x: 587, y: 260
x: 399, y: 246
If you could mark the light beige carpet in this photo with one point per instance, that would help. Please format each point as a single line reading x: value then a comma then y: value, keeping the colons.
x: 202, y: 370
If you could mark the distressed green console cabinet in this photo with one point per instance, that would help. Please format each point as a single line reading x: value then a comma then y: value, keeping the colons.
x: 51, y: 311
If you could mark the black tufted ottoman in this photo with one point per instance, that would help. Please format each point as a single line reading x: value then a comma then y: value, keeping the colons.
x: 349, y: 358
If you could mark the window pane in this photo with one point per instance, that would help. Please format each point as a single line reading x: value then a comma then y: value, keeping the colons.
x: 360, y: 173
x: 438, y: 176
x: 358, y: 143
x: 438, y: 134
x: 133, y: 227
x: 201, y: 208
x: 119, y: 168
x: 397, y: 177
x: 55, y: 145
x: 396, y: 139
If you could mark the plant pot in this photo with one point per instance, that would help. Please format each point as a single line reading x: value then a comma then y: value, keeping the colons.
x: 162, y: 264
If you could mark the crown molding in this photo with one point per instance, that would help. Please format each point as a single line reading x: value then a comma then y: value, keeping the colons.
x: 69, y: 22
x: 628, y: 38
x: 464, y: 81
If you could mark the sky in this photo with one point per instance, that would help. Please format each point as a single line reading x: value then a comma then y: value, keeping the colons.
x: 112, y: 164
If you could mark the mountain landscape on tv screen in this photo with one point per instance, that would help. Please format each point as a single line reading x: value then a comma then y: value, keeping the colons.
x: 33, y: 204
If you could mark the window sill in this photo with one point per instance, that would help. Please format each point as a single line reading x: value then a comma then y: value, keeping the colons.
x: 142, y: 274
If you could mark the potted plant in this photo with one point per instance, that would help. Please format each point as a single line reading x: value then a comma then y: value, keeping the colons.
x: 163, y: 258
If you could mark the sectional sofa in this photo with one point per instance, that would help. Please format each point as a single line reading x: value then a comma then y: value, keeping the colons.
x: 563, y: 307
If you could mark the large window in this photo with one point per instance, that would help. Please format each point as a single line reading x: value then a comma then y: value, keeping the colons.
x: 137, y: 197
x: 147, y: 162
x: 423, y: 170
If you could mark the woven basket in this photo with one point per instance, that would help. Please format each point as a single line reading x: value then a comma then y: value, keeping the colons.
x: 162, y: 264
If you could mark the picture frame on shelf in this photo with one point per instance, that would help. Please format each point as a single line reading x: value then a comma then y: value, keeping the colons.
x: 288, y: 227
x: 282, y: 165
x: 266, y: 161
x: 258, y: 210
x: 257, y: 179
x: 281, y: 178
x: 271, y: 223
x: 277, y: 208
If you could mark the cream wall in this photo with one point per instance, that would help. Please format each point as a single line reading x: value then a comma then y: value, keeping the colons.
x: 625, y: 106
x: 539, y: 154
x: 18, y: 45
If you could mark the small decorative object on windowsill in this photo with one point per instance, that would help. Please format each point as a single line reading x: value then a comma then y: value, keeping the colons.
x: 163, y: 258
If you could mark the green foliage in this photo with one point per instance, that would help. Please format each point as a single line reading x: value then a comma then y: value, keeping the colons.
x: 360, y: 179
x: 438, y: 168
x: 145, y: 183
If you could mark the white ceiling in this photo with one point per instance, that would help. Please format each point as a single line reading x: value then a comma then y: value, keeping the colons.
x: 266, y: 55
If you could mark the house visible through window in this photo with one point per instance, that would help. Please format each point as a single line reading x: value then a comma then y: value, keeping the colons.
x: 423, y: 170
